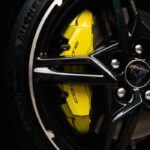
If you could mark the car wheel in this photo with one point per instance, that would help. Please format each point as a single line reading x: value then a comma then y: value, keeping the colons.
x: 79, y: 73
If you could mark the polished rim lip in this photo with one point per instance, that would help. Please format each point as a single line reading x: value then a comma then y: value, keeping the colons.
x: 136, y: 60
x: 50, y: 135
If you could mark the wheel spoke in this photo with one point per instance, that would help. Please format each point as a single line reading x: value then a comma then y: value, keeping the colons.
x: 100, y: 56
x: 123, y: 31
x: 42, y: 68
x: 125, y: 119
x: 47, y: 62
x: 127, y: 130
x: 62, y: 77
x: 121, y: 131
x: 126, y: 32
x: 135, y: 19
x: 132, y: 104
x: 103, y: 53
x: 104, y: 69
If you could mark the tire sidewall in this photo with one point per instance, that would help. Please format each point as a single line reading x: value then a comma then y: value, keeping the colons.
x: 17, y: 68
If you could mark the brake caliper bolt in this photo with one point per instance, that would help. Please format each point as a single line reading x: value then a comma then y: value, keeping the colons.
x: 64, y: 95
x: 138, y: 49
x: 121, y: 92
x: 115, y: 64
x: 65, y: 47
x: 43, y: 55
x: 147, y: 95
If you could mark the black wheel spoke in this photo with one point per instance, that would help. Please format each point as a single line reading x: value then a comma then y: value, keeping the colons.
x: 126, y: 31
x: 121, y: 24
x: 62, y: 77
x: 100, y: 56
x: 123, y: 122
x: 103, y: 52
x: 43, y: 68
x: 131, y: 105
x: 127, y: 129
x: 121, y: 131
x: 134, y: 18
x: 47, y: 62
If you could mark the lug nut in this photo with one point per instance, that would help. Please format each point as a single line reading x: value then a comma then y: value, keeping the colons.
x: 121, y: 92
x: 115, y: 64
x: 147, y: 95
x: 138, y: 49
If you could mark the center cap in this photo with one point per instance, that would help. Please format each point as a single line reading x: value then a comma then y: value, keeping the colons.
x: 137, y: 73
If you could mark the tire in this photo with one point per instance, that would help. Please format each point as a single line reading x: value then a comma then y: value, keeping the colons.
x: 37, y: 99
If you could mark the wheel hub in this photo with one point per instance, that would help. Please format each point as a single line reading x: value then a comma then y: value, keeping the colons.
x: 137, y: 73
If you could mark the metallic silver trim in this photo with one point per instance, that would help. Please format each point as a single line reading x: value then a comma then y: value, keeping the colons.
x: 47, y: 71
x: 50, y: 135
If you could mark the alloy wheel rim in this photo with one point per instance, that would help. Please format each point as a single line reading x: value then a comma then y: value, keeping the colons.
x: 39, y: 69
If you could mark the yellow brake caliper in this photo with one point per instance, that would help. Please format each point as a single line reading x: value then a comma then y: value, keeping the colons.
x: 78, y: 103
